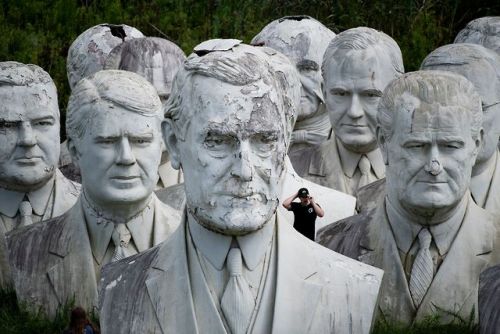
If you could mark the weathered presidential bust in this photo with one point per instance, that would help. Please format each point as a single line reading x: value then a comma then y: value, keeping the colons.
x: 428, y: 231
x: 89, y: 51
x: 157, y: 60
x: 304, y: 41
x: 113, y: 124
x: 31, y: 187
x: 228, y: 267
x: 482, y: 67
x: 357, y: 66
x: 484, y: 31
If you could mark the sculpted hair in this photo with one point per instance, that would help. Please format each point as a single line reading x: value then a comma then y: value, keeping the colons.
x: 140, y: 55
x: 109, y: 87
x: 465, y: 54
x: 18, y: 74
x: 363, y: 38
x: 240, y: 66
x: 429, y: 87
x: 476, y: 31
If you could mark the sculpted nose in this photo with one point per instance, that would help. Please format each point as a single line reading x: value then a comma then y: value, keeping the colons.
x: 355, y: 109
x: 433, y: 165
x: 243, y: 167
x: 125, y: 154
x: 26, y: 135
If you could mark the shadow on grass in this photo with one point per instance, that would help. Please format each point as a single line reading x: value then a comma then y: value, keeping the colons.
x: 16, y: 318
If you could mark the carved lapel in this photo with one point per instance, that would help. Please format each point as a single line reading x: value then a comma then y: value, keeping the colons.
x: 382, y: 252
x: 458, y: 276
x: 297, y: 292
x: 168, y: 286
x: 493, y: 200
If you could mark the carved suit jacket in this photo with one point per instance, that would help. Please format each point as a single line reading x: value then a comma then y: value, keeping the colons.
x: 489, y: 295
x: 65, y: 195
x: 52, y: 261
x: 368, y: 238
x: 317, y: 291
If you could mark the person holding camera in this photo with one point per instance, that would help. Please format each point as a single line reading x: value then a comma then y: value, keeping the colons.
x: 305, y: 212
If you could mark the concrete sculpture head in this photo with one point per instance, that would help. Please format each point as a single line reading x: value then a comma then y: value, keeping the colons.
x: 430, y: 132
x: 303, y: 40
x: 480, y: 66
x: 228, y: 123
x: 156, y: 59
x: 113, y: 124
x: 29, y: 127
x: 357, y: 66
x: 88, y: 52
x: 484, y: 31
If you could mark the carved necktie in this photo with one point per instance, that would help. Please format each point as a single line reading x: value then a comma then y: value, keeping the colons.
x: 25, y: 212
x: 237, y: 301
x: 422, y: 271
x: 121, y: 238
x: 364, y: 166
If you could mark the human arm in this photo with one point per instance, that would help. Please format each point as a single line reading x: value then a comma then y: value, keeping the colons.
x: 287, y: 203
x: 319, y: 211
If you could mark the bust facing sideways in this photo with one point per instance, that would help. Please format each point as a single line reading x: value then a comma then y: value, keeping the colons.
x: 228, y: 267
x: 427, y: 231
x: 114, y: 132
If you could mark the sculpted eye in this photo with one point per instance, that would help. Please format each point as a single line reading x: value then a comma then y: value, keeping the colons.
x: 219, y: 142
x: 7, y: 125
x: 43, y: 123
x: 414, y: 145
x: 372, y: 93
x: 339, y: 92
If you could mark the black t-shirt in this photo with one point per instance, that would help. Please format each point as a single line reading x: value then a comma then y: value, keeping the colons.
x: 305, y: 219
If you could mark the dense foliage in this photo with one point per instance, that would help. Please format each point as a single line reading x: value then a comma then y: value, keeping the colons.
x: 40, y: 31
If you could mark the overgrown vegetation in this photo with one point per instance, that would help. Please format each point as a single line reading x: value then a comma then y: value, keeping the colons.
x: 40, y: 31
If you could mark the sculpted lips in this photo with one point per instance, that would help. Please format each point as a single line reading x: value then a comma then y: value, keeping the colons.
x: 124, y: 178
x: 28, y: 159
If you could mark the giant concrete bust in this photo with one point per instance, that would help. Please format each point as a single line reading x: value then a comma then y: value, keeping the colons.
x: 357, y: 66
x: 157, y: 60
x: 428, y: 231
x: 88, y: 52
x: 227, y: 124
x: 482, y: 67
x: 31, y: 187
x: 484, y: 31
x: 113, y: 124
x: 304, y: 40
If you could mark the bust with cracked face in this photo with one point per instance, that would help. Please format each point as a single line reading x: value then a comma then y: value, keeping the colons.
x: 232, y: 153
x: 29, y: 127
x: 357, y: 66
x: 430, y: 134
x: 304, y: 41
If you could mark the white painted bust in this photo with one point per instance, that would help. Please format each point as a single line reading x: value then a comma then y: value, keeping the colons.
x: 480, y: 66
x: 89, y: 51
x: 484, y: 31
x: 428, y: 235
x: 113, y: 125
x: 304, y: 41
x: 227, y: 124
x: 357, y: 66
x: 157, y: 60
x: 31, y: 187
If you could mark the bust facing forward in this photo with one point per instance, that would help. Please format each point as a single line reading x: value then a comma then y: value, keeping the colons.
x: 427, y: 231
x: 113, y: 125
x: 228, y: 268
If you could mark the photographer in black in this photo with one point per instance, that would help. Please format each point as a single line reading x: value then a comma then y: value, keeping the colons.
x: 305, y: 212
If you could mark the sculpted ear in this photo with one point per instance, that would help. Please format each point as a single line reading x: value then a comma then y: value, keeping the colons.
x: 73, y: 151
x: 382, y: 144
x: 171, y: 142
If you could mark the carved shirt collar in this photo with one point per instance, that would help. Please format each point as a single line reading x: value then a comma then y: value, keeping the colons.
x: 39, y: 198
x: 100, y: 229
x: 350, y: 160
x: 215, y: 246
x: 406, y: 232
